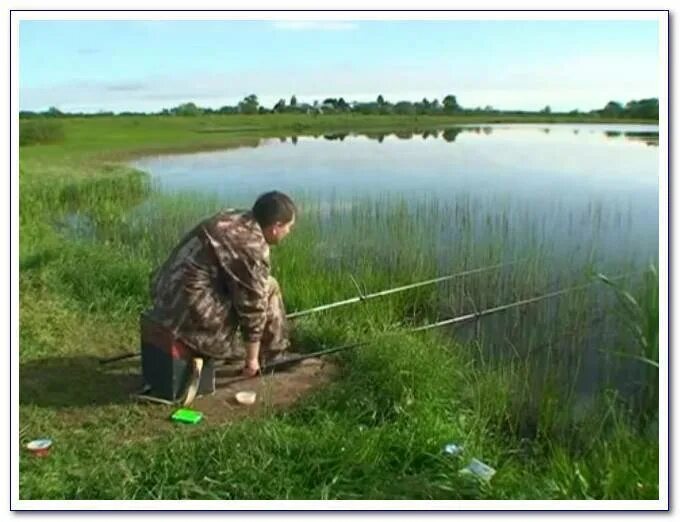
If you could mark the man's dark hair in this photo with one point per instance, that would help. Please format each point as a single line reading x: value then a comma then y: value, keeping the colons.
x: 273, y: 206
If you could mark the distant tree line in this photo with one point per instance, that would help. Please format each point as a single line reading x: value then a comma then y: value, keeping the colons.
x: 645, y: 108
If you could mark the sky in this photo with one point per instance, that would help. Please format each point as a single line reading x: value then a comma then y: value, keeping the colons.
x: 119, y: 65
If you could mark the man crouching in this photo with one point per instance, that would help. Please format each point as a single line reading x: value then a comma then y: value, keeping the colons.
x: 216, y: 284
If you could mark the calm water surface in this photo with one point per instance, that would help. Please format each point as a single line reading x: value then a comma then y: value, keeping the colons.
x: 561, y: 178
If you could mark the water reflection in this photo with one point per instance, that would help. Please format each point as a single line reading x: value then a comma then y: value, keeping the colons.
x: 647, y: 134
x: 650, y: 138
x: 404, y: 135
x: 450, y: 133
x: 337, y: 136
x: 513, y: 160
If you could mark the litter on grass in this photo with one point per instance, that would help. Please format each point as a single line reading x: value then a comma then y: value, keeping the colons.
x: 453, y: 449
x: 479, y: 470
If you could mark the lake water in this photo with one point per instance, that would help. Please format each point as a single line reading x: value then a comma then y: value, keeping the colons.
x: 526, y: 161
x: 563, y: 177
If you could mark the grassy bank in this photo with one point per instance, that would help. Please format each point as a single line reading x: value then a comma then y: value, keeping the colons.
x: 114, y: 138
x: 88, y: 245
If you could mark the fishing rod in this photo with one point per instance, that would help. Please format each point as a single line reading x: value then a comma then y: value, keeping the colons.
x: 268, y: 369
x: 353, y: 300
x: 452, y: 321
x: 365, y: 297
x: 488, y: 311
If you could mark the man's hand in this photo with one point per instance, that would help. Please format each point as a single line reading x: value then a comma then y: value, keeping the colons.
x: 252, y: 368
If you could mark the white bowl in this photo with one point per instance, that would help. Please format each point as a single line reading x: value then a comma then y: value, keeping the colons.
x: 39, y: 447
x: 246, y: 397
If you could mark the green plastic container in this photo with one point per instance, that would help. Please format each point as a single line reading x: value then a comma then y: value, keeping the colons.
x: 187, y: 416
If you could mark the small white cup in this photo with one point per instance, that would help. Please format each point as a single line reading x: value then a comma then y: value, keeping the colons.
x: 246, y: 397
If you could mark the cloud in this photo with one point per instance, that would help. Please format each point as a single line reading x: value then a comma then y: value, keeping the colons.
x: 309, y: 25
x: 126, y: 87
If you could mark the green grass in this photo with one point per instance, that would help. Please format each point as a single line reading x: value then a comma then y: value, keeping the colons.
x: 376, y: 433
x: 113, y: 138
x: 92, y: 230
x: 40, y: 131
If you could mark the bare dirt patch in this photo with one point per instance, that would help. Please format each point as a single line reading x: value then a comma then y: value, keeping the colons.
x: 274, y: 392
x: 76, y: 400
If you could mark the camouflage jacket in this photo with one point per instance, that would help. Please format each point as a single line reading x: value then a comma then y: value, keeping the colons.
x: 214, y: 281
